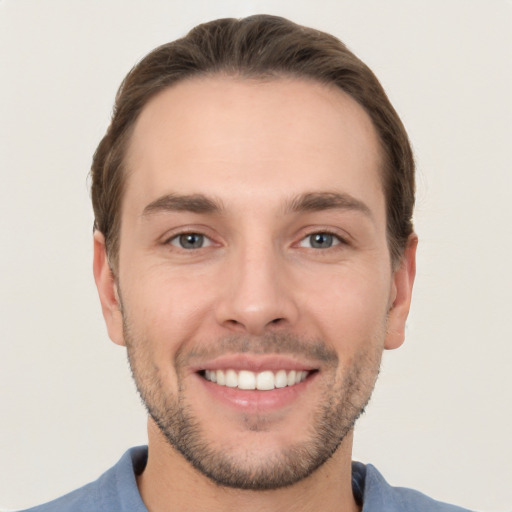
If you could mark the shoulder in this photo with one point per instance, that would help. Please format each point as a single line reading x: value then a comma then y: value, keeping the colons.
x: 84, y: 499
x: 116, y: 489
x: 379, y: 496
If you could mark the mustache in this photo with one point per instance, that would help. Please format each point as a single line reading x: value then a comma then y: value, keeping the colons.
x: 269, y: 343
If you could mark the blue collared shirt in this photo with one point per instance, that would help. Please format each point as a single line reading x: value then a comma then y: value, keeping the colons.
x: 116, y: 491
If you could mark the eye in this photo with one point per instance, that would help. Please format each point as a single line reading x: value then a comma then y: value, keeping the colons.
x: 190, y: 241
x: 320, y: 241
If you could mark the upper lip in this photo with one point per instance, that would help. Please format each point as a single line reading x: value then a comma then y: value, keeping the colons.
x: 255, y: 363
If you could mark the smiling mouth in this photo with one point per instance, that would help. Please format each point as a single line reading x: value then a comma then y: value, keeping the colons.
x: 262, y: 381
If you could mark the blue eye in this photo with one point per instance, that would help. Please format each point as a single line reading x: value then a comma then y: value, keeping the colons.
x: 190, y: 241
x: 320, y: 241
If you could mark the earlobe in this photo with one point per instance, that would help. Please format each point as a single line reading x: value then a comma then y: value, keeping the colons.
x: 403, y: 280
x: 107, y: 290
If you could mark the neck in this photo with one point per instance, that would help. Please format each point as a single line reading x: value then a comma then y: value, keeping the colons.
x: 169, y: 482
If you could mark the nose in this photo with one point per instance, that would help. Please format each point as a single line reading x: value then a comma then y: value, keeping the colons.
x: 257, y: 293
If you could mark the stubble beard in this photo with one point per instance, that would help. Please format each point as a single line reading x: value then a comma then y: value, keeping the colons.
x: 340, y: 406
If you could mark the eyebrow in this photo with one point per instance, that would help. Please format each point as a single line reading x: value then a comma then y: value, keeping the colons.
x: 318, y: 201
x: 195, y: 203
x: 310, y: 201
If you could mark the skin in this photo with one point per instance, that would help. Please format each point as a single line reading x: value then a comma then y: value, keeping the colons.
x: 254, y: 149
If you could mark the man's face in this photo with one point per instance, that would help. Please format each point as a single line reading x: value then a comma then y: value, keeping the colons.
x: 253, y: 253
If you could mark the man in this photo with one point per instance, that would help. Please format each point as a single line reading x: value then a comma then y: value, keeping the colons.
x: 254, y: 252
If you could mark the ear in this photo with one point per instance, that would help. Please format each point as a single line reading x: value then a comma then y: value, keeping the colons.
x: 400, y: 297
x: 107, y: 290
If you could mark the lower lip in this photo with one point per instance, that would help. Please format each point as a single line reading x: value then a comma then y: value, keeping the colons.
x: 255, y: 400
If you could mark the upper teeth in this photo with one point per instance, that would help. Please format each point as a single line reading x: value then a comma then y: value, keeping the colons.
x: 262, y: 381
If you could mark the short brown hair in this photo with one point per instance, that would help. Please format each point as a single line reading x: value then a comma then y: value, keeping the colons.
x: 259, y: 46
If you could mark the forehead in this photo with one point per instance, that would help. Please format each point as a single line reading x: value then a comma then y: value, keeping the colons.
x: 235, y: 138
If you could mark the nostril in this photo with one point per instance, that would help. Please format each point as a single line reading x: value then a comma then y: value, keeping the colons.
x: 254, y: 325
x: 235, y: 324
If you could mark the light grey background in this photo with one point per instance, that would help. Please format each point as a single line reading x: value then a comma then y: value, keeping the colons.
x: 441, y: 416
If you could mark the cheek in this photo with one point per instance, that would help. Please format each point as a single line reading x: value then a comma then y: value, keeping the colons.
x: 351, y: 309
x: 166, y: 308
